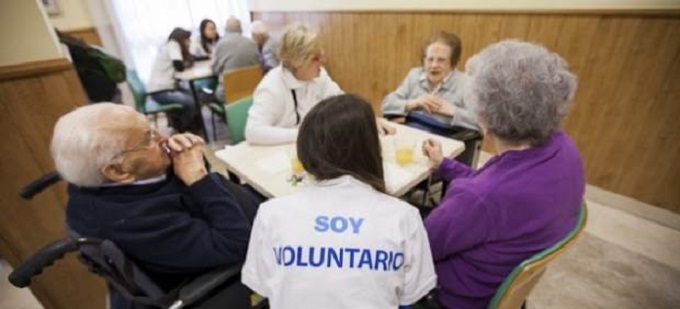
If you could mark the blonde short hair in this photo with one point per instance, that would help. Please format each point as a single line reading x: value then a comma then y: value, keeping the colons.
x: 298, y: 45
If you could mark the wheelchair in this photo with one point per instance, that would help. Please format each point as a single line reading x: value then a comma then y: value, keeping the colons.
x: 218, y: 288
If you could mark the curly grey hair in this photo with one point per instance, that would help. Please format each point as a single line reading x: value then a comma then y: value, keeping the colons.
x: 520, y: 90
x: 86, y: 139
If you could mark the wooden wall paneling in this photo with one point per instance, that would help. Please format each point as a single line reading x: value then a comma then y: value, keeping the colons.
x: 603, y: 103
x: 575, y: 46
x: 29, y: 108
x: 648, y: 95
x: 627, y: 65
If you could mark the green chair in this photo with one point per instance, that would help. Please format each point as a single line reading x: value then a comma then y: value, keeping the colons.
x: 516, y: 287
x: 236, y: 115
x: 143, y: 103
x: 238, y: 84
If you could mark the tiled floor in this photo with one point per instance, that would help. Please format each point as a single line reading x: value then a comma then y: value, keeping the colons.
x: 629, y: 257
x: 11, y: 297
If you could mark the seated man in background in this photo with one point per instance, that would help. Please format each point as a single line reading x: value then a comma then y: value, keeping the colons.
x: 233, y: 51
x: 266, y: 44
x: 150, y: 195
x: 436, y: 87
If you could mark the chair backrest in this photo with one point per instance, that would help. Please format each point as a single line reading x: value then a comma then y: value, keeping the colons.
x: 237, y: 115
x: 138, y: 90
x: 517, y: 286
x: 240, y: 83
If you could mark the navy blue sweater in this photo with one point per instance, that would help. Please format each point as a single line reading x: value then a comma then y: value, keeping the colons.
x: 170, y: 230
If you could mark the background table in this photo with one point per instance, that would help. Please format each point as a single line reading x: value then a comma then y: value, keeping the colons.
x: 268, y: 168
x: 200, y: 70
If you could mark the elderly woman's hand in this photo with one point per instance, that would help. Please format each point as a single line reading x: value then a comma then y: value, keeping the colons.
x: 432, y: 149
x: 428, y: 102
x: 187, y: 157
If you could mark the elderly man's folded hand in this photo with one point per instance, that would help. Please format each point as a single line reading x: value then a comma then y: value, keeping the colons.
x: 180, y: 142
x: 187, y: 157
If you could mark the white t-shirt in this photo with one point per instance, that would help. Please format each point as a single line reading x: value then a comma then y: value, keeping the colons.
x: 339, y: 244
x: 162, y: 72
x: 196, y: 48
x: 272, y: 118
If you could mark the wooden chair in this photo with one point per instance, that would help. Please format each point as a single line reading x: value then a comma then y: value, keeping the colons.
x: 516, y: 287
x: 238, y: 84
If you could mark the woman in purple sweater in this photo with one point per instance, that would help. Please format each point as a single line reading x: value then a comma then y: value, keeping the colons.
x: 527, y: 197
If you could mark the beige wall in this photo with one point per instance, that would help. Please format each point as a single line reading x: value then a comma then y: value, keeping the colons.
x: 73, y: 14
x: 23, y: 26
x: 335, y: 5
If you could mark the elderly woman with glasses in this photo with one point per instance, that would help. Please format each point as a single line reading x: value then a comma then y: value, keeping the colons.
x: 524, y: 199
x: 435, y: 88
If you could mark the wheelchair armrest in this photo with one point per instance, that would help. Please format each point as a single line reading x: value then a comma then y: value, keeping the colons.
x: 197, y: 288
x: 390, y: 116
x: 22, y: 275
x: 39, y: 185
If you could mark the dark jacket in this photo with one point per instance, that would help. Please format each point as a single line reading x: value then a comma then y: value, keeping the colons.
x: 173, y: 232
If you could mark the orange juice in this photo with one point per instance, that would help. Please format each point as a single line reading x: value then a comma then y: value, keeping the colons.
x: 296, y: 166
x: 404, y: 156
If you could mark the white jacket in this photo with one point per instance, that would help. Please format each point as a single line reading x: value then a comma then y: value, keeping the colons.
x: 273, y: 118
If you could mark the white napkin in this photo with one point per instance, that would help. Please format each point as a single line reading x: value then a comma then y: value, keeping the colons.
x: 275, y: 163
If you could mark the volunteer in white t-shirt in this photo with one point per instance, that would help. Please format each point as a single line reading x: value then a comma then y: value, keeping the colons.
x: 203, y: 45
x: 289, y: 91
x: 173, y: 57
x: 340, y: 242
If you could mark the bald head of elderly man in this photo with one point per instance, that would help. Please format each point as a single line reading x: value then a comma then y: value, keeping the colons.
x: 233, y: 25
x: 149, y: 194
x: 233, y: 51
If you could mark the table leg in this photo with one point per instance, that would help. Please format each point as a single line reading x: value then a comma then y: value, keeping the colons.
x: 199, y: 110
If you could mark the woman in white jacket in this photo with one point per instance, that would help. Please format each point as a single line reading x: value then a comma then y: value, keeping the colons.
x: 340, y: 242
x: 289, y: 91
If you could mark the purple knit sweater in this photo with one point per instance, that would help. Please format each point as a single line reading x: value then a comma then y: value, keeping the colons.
x: 490, y: 220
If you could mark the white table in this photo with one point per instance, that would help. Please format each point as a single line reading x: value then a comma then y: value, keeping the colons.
x: 268, y: 168
x: 200, y: 69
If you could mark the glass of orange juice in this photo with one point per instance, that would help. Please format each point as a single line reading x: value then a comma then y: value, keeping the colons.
x: 295, y: 164
x: 404, y: 148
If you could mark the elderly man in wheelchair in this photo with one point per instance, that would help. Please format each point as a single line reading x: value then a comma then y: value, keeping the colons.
x: 149, y: 196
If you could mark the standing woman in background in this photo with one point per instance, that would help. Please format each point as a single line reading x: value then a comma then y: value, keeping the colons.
x: 174, y: 57
x: 203, y: 46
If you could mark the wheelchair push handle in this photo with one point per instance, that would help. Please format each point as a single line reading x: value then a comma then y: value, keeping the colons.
x: 22, y: 275
x: 38, y: 185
